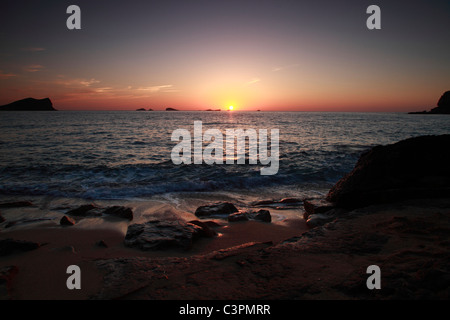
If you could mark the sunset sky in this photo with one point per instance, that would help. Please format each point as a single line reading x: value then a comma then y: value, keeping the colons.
x: 268, y: 55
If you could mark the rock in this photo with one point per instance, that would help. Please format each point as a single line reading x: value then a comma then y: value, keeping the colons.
x: 315, y: 206
x: 315, y: 220
x: 443, y: 106
x: 412, y: 168
x: 10, y: 246
x: 140, y: 109
x: 264, y: 202
x: 158, y: 235
x: 290, y: 200
x: 206, y: 230
x: 67, y: 221
x: 16, y: 204
x: 238, y: 216
x: 262, y: 215
x: 119, y: 211
x: 86, y: 210
x: 171, y: 109
x: 224, y: 208
x: 29, y: 104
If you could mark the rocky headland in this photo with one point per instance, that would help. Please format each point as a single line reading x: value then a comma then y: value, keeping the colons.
x: 443, y: 106
x: 29, y: 104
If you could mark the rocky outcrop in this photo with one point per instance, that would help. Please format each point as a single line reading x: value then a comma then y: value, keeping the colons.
x: 413, y: 168
x: 158, y: 235
x: 171, y: 109
x: 443, y: 106
x: 29, y: 104
x: 217, y: 209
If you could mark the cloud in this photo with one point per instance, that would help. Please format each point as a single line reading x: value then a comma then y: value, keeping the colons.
x: 73, y: 83
x: 253, y: 81
x: 6, y: 75
x: 154, y: 89
x: 280, y: 68
x: 88, y: 83
x: 33, y: 68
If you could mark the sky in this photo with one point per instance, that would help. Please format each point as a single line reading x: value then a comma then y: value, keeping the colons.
x: 254, y: 55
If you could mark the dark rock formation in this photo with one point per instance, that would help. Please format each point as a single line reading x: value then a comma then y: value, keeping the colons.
x: 10, y: 246
x: 171, y: 109
x: 223, y: 208
x: 120, y: 212
x: 238, y: 216
x: 157, y: 235
x: 316, y: 206
x: 29, y: 104
x: 261, y: 215
x: 413, y: 168
x: 206, y: 230
x: 66, y: 221
x: 86, y: 210
x: 443, y: 106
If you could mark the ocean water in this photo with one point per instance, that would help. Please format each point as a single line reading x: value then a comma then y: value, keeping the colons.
x: 127, y: 154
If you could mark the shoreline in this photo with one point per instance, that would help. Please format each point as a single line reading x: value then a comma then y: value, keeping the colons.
x: 41, y: 273
x: 250, y: 260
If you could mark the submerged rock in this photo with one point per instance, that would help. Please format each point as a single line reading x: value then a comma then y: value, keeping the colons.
x: 412, y: 168
x: 223, y: 208
x: 158, y: 235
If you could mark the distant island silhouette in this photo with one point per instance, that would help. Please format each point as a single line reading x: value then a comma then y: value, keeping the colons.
x: 29, y: 104
x: 171, y: 109
x: 443, y: 106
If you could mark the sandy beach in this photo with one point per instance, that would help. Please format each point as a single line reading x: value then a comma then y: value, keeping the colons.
x: 41, y: 273
x: 247, y: 260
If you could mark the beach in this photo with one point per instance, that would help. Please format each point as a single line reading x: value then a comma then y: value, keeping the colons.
x: 408, y: 240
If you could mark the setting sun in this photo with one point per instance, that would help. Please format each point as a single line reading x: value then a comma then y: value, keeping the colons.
x: 230, y: 108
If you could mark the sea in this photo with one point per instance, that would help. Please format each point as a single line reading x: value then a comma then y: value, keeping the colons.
x: 113, y: 155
